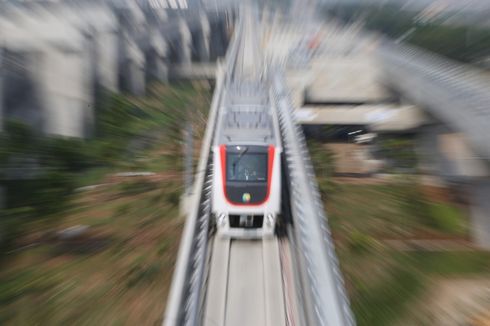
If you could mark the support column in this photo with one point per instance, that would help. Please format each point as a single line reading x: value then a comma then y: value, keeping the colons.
x: 133, y: 76
x: 158, y: 68
x: 430, y: 158
x: 479, y: 191
x: 184, y: 44
x: 1, y: 90
x: 67, y: 94
x: 217, y: 40
x: 203, y: 50
x: 161, y: 70
x: 137, y: 80
x: 107, y: 60
x: 448, y: 155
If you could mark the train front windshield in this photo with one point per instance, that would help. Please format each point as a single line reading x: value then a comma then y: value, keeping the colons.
x: 246, y: 167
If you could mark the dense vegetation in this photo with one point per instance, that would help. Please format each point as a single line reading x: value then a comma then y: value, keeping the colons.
x: 40, y: 172
x: 398, y: 152
x: 119, y: 270
x: 372, y: 221
x: 465, y: 43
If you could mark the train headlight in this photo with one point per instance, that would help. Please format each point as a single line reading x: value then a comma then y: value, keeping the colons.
x: 222, y: 219
x: 269, y: 219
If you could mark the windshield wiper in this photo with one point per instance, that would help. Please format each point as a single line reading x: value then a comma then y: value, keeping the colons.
x: 235, y: 162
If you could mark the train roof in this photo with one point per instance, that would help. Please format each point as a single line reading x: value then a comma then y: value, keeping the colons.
x: 247, y: 117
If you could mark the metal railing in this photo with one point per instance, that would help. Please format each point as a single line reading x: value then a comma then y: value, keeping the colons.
x: 186, y: 293
x: 325, y: 301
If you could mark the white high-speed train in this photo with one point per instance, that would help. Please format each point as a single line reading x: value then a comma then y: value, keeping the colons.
x: 246, y: 194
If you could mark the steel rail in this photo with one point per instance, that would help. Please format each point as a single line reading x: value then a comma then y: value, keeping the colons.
x: 324, y: 294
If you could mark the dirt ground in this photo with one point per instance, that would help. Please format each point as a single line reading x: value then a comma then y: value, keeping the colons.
x: 454, y: 302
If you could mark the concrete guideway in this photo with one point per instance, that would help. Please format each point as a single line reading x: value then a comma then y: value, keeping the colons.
x: 457, y: 95
x: 380, y: 117
x: 290, y: 280
x: 245, y: 284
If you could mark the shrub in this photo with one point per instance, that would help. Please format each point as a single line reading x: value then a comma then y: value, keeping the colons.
x: 445, y: 218
x: 52, y: 192
x: 11, y: 225
x: 145, y: 274
x: 172, y: 196
x: 70, y: 154
x: 360, y: 242
x: 137, y: 187
x: 322, y: 159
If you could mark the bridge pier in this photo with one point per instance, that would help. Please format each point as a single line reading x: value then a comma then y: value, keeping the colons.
x: 429, y: 156
x: 46, y: 88
x: 184, y: 44
x: 132, y: 68
x: 20, y: 89
x: 480, y: 212
x: 201, y: 40
x: 161, y: 70
x: 1, y: 89
x: 218, y: 40
x: 99, y: 25
x: 448, y: 155
x: 156, y: 58
x: 59, y: 58
x: 105, y: 60
x: 68, y: 102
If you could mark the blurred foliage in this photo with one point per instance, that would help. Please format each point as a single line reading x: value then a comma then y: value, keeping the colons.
x: 37, y: 178
x: 173, y: 195
x: 458, y: 42
x: 22, y: 284
x: 381, y: 305
x: 364, y: 219
x: 137, y: 187
x: 322, y: 160
x: 463, y: 43
x: 409, y: 198
x: 12, y: 225
x: 139, y: 274
x: 440, y: 216
x: 399, y: 152
x: 42, y: 284
x: 408, y: 276
x: 40, y: 172
x: 360, y: 242
x: 446, y: 218
x: 120, y: 269
x: 16, y: 138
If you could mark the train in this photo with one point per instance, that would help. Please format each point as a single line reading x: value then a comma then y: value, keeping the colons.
x: 246, y: 182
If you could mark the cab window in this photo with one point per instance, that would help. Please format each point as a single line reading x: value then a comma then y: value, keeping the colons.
x: 246, y: 167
